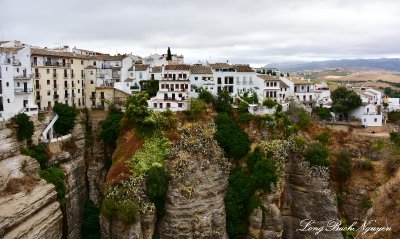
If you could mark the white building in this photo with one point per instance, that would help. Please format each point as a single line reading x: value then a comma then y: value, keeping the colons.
x: 202, y: 77
x: 161, y: 60
x: 304, y: 92
x: 16, y: 85
x: 323, y: 95
x: 370, y: 112
x: 393, y: 104
x: 174, y: 89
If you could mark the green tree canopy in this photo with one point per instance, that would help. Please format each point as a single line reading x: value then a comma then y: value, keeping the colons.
x: 345, y: 100
x: 136, y: 107
x: 110, y: 127
x: 66, y: 118
x: 25, y: 127
x: 223, y: 102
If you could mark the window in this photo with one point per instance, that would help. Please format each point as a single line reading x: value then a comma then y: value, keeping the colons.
x: 196, y: 78
x: 8, y: 100
x: 94, y: 63
x: 237, y: 80
x: 91, y: 82
x: 48, y: 71
x: 81, y: 62
x: 131, y: 74
x: 72, y: 61
x: 154, y: 105
x: 7, y: 84
x: 375, y: 120
x: 48, y: 92
x: 140, y: 75
x: 91, y: 72
x: 250, y: 80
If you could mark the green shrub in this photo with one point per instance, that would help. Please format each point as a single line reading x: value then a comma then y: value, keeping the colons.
x: 150, y: 87
x: 126, y: 210
x: 262, y: 171
x: 197, y: 108
x: 56, y: 176
x: 223, y: 102
x: 245, y: 118
x: 90, y: 223
x: 25, y: 127
x: 394, y: 116
x: 304, y: 120
x: 344, y: 166
x: 206, y: 96
x: 367, y: 165
x: 66, y: 118
x: 38, y: 152
x: 269, y: 103
x: 136, y: 107
x: 110, y: 127
x: 323, y: 138
x: 395, y: 138
x: 157, y: 186
x: 230, y: 136
x: 317, y: 155
x: 324, y: 113
x: 243, y: 107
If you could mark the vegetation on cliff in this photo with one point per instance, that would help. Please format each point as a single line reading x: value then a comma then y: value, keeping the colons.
x: 66, y: 118
x: 25, y: 127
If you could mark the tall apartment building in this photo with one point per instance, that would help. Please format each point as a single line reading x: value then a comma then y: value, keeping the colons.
x: 16, y: 87
x: 58, y: 78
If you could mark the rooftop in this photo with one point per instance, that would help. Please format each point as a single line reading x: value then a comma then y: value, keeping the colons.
x: 180, y: 67
x: 200, y: 69
x: 268, y: 77
x: 243, y: 68
x: 139, y: 67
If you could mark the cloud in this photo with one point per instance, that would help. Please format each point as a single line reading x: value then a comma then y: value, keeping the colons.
x: 251, y: 31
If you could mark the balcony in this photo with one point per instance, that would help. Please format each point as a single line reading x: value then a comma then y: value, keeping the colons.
x: 99, y: 75
x: 73, y: 95
x: 57, y: 64
x: 56, y: 97
x: 83, y: 76
x: 23, y: 77
x: 37, y: 75
x: 13, y: 61
x: 22, y: 90
x: 66, y: 86
x: 55, y: 75
x: 38, y: 87
x: 66, y: 95
x: 93, y: 97
x: 38, y: 98
x: 65, y: 76
x: 55, y: 86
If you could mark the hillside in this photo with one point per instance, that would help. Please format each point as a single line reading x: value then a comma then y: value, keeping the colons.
x: 383, y: 64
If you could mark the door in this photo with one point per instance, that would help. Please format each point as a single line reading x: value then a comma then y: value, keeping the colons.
x: 25, y: 86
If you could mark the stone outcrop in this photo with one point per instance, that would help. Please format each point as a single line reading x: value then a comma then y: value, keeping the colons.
x: 195, y: 198
x: 28, y: 205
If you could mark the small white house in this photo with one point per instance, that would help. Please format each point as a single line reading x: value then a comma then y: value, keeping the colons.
x: 369, y: 114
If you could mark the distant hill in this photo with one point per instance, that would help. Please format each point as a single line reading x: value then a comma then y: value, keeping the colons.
x: 383, y: 64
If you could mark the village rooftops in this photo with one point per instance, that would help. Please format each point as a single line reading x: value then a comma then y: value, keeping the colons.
x: 10, y: 49
x: 139, y: 67
x: 220, y: 66
x: 108, y: 57
x: 179, y: 67
x: 301, y: 82
x: 243, y: 68
x: 156, y: 69
x: 283, y: 84
x: 46, y: 52
x: 200, y: 69
x: 2, y: 42
x: 268, y: 77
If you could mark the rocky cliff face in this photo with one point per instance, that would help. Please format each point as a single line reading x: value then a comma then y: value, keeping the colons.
x: 195, y: 198
x: 28, y: 205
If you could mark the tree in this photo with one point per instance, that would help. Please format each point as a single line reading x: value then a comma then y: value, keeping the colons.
x: 197, y: 108
x: 206, y: 96
x: 317, y: 155
x: 151, y: 87
x: 324, y: 113
x: 344, y: 166
x: 90, y: 222
x: 157, y: 186
x: 136, y: 107
x: 345, y: 100
x: 223, y: 101
x: 25, y: 127
x: 169, y: 55
x: 66, y: 118
x: 110, y: 127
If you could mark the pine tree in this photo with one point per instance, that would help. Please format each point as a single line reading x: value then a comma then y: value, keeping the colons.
x: 169, y: 55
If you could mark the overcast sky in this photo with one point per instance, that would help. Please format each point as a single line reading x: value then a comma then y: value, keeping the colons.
x: 246, y: 31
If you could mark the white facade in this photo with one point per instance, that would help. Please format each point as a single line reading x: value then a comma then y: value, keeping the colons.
x: 172, y: 94
x: 161, y: 60
x: 369, y: 114
x: 16, y: 85
x: 393, y: 104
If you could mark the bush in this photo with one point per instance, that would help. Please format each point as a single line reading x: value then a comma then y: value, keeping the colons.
x: 395, y: 138
x: 367, y: 165
x: 262, y: 170
x: 150, y: 87
x: 110, y: 127
x: 243, y: 107
x: 324, y: 113
x: 136, y: 107
x: 323, y: 138
x: 394, y: 117
x: 269, y: 103
x: 56, y: 176
x: 230, y: 136
x: 127, y: 210
x: 206, y: 96
x: 90, y: 222
x: 237, y: 199
x: 38, y: 152
x: 197, y: 108
x: 245, y: 118
x: 304, y: 121
x: 25, y: 127
x: 66, y: 118
x: 343, y: 165
x: 317, y: 155
x: 157, y: 186
x: 223, y: 102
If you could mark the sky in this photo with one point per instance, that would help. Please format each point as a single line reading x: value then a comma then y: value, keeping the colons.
x: 256, y: 32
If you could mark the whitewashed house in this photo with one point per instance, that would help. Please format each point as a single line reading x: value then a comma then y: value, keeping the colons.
x: 393, y: 104
x: 304, y: 92
x: 370, y: 112
x: 202, y: 77
x: 161, y: 60
x: 16, y: 84
x: 174, y: 89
